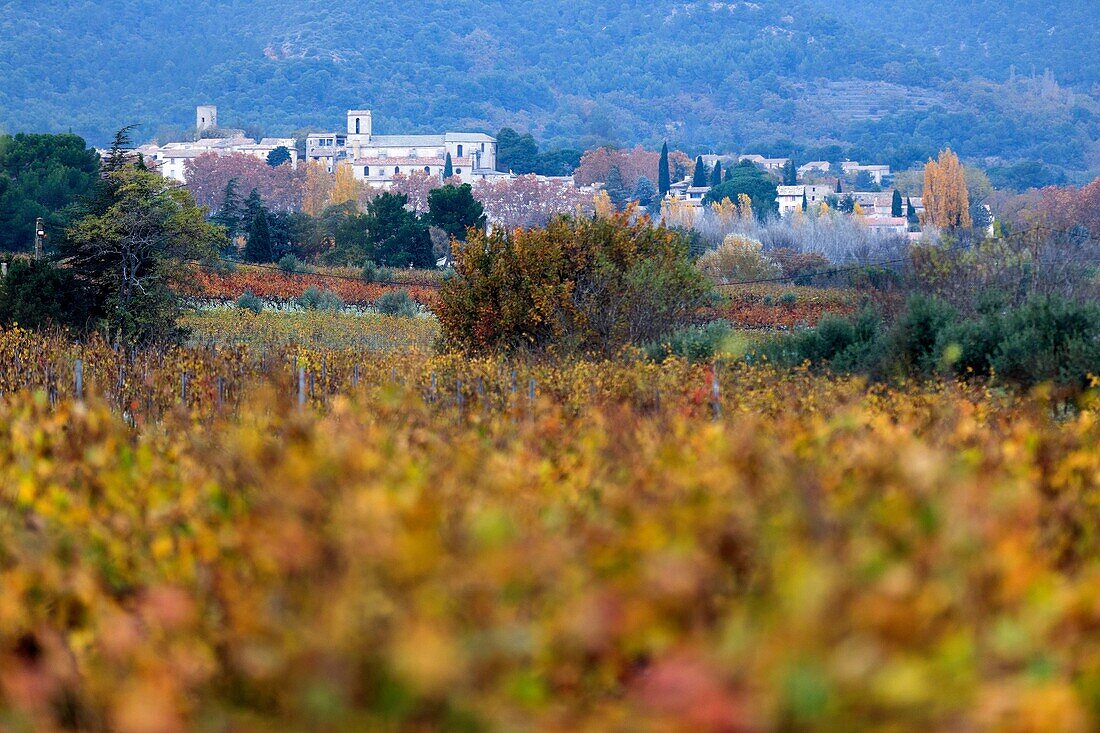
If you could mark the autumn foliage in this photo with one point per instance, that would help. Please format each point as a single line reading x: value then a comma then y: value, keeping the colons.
x: 946, y: 201
x: 592, y: 284
x: 271, y: 284
x: 442, y: 543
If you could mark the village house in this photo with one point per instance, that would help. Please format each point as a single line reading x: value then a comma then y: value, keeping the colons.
x: 686, y: 193
x: 170, y: 159
x: 791, y: 198
x: 876, y: 172
x: 771, y: 165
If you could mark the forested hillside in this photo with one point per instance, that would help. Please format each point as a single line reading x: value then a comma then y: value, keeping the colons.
x: 891, y: 81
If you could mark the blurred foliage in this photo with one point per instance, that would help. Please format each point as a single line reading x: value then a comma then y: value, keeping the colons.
x: 611, y: 551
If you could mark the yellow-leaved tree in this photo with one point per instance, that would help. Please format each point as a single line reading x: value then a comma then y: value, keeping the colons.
x: 317, y: 189
x: 345, y: 188
x: 946, y: 201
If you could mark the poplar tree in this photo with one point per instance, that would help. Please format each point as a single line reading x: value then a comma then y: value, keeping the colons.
x: 946, y: 200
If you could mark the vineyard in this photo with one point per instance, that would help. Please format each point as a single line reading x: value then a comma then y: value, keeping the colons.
x: 251, y: 536
x: 272, y: 284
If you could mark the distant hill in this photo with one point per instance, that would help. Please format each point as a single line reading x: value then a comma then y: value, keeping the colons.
x: 892, y: 81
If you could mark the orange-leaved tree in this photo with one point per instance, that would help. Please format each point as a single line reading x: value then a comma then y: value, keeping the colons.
x: 946, y: 201
x: 588, y: 284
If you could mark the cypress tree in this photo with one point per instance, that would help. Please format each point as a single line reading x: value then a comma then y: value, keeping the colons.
x: 790, y: 173
x: 664, y: 179
x: 805, y: 201
x: 911, y: 213
x: 448, y: 168
x: 716, y: 174
x: 729, y: 174
x: 839, y: 188
x: 699, y: 178
x: 895, y: 205
x: 258, y: 248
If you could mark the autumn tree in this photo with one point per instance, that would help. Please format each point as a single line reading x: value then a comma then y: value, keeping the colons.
x: 596, y: 165
x: 525, y: 201
x: 345, y: 188
x: 416, y: 186
x: 209, y: 174
x: 946, y: 201
x: 589, y: 284
x: 316, y: 188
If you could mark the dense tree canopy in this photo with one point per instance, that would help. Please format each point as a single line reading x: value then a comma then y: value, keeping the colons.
x: 41, y: 176
x: 888, y: 82
x: 751, y: 181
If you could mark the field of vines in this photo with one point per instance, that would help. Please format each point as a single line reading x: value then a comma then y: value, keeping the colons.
x: 279, y: 535
x: 272, y: 284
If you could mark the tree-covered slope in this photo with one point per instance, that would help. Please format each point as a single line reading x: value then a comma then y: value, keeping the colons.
x: 891, y: 80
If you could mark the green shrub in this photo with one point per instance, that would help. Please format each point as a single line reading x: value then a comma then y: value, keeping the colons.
x: 916, y: 334
x: 313, y: 298
x: 372, y: 273
x: 1049, y: 339
x: 396, y: 303
x: 696, y: 343
x: 40, y: 294
x: 788, y: 299
x: 249, y: 301
x: 291, y: 264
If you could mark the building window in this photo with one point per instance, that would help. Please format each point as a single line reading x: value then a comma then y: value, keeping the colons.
x: 460, y: 151
x: 356, y: 125
x: 396, y: 170
x: 427, y: 169
x: 366, y: 171
x: 458, y: 172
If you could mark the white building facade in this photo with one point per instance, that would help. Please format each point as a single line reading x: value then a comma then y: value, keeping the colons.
x: 376, y: 159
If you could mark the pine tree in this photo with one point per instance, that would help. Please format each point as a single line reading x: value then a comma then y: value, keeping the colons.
x: 699, y: 178
x: 229, y: 214
x: 644, y: 193
x: 895, y: 205
x: 258, y: 248
x: 615, y: 187
x: 448, y: 168
x: 664, y: 179
x: 716, y: 174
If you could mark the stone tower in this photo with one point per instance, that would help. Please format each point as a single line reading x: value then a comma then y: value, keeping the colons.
x: 206, y: 117
x: 359, y: 122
